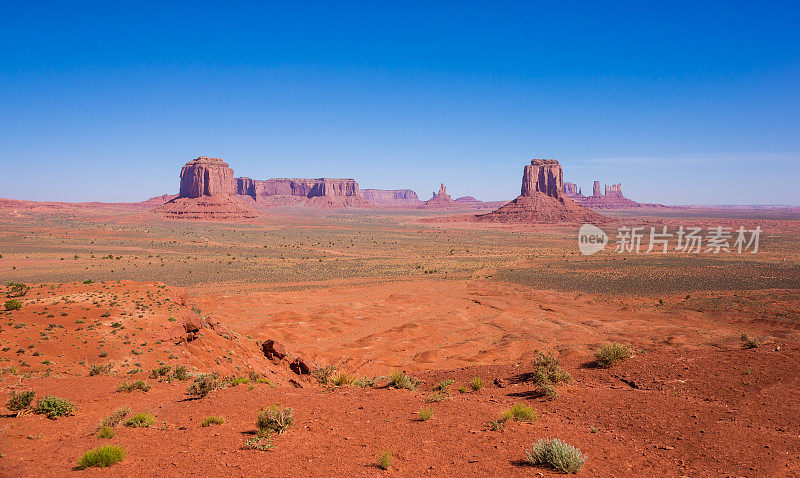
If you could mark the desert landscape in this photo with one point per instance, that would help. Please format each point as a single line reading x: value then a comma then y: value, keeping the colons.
x: 166, y: 327
x: 399, y: 239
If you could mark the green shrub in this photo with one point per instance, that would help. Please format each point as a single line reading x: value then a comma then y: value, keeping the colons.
x: 425, y: 414
x: 136, y: 385
x: 496, y: 425
x: 366, y: 382
x: 400, y: 380
x: 258, y: 443
x: 443, y: 385
x: 213, y: 420
x: 610, y: 354
x: 476, y: 384
x: 106, y: 432
x: 274, y: 420
x: 115, y: 418
x: 238, y: 381
x: 54, y: 407
x: 547, y: 373
x: 102, y: 457
x: 343, y: 378
x: 17, y: 289
x: 519, y: 412
x: 180, y: 373
x: 97, y: 369
x: 140, y: 420
x: 324, y: 374
x: 557, y: 454
x: 385, y: 459
x: 160, y: 372
x: 20, y: 401
x: 203, y: 385
x: 12, y: 304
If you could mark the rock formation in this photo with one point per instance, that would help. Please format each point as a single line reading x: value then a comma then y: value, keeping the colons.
x: 207, y: 191
x: 206, y: 176
x: 612, y: 199
x: 322, y: 192
x: 441, y: 200
x: 542, y: 199
x: 544, y: 176
x: 391, y: 197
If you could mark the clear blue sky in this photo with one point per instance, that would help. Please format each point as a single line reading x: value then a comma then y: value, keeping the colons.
x: 695, y: 102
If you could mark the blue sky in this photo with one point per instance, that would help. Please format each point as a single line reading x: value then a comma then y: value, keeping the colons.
x: 681, y: 102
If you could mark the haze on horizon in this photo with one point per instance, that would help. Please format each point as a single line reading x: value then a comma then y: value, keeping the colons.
x: 681, y: 103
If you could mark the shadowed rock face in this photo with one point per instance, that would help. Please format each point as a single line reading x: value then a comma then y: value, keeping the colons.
x: 544, y: 176
x: 206, y: 176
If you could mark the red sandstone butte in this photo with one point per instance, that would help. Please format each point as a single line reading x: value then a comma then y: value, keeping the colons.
x: 441, y: 200
x: 542, y: 200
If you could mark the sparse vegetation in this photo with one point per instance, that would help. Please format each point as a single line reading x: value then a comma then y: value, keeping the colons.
x: 443, y: 385
x: 106, y: 432
x: 140, y: 385
x: 476, y: 384
x: 274, y: 419
x: 180, y: 373
x: 203, y: 385
x: 115, y: 418
x: 343, y: 378
x: 54, y: 407
x: 213, y: 420
x: 400, y: 380
x: 263, y: 443
x: 20, y: 401
x: 556, y: 454
x: 610, y: 354
x: 102, y: 457
x: 384, y: 459
x: 12, y: 304
x: 520, y: 413
x: 749, y: 342
x: 425, y: 414
x: 140, y: 420
x: 547, y: 374
x: 98, y: 369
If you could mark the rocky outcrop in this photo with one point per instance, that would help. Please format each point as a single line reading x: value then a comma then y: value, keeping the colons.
x: 542, y: 199
x: 207, y: 192
x: 612, y: 199
x: 543, y: 176
x: 596, y: 189
x: 299, y: 191
x: 441, y: 200
x: 206, y: 176
x: 391, y: 197
x: 571, y: 189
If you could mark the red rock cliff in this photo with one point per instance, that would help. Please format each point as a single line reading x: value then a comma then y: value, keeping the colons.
x: 206, y: 176
x: 543, y: 175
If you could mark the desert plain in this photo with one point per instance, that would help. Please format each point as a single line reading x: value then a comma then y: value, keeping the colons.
x: 113, y: 296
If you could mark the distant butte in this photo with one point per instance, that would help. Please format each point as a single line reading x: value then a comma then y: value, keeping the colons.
x: 611, y: 199
x: 542, y: 199
x: 441, y: 200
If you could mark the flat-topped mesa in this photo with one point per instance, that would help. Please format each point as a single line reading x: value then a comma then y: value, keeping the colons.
x: 206, y: 176
x: 545, y: 176
x: 325, y: 187
x: 391, y: 197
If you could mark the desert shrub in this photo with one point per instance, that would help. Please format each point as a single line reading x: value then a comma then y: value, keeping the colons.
x: 610, y: 354
x: 115, y: 418
x: 203, y: 385
x: 160, y: 372
x: 136, y: 385
x: 17, y: 289
x: 88, y: 281
x: 106, y: 432
x: 384, y: 459
x: 400, y: 380
x: 547, y: 373
x: 324, y: 374
x: 12, y: 304
x: 496, y: 425
x: 53, y: 407
x: 20, y: 401
x: 476, y: 384
x: 342, y: 378
x: 366, y: 382
x: 443, y: 385
x: 180, y: 373
x: 425, y: 414
x: 274, y: 420
x: 97, y: 369
x: 749, y: 342
x: 213, y: 420
x: 436, y: 397
x: 519, y: 412
x: 103, y: 354
x: 102, y: 457
x: 258, y: 443
x: 556, y: 454
x: 238, y: 381
x: 140, y: 420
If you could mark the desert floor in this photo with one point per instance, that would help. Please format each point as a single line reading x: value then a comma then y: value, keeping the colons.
x: 374, y: 292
